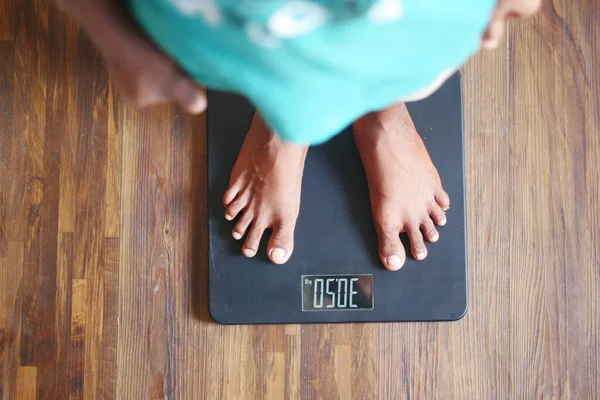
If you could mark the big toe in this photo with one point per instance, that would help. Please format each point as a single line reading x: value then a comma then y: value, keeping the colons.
x: 281, y: 244
x: 391, y: 250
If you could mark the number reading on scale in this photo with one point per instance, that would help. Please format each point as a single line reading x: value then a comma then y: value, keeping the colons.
x: 334, y: 292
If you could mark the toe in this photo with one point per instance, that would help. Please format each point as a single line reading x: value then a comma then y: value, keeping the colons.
x: 253, y: 240
x: 438, y: 215
x: 281, y: 244
x: 233, y: 191
x: 417, y: 245
x: 391, y: 250
x: 443, y: 200
x: 229, y: 195
x: 242, y: 225
x: 429, y: 231
x: 236, y: 206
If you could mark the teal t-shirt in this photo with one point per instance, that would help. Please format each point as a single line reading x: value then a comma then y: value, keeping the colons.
x: 313, y: 67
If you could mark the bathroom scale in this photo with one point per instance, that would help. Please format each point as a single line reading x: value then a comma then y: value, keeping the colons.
x: 334, y: 274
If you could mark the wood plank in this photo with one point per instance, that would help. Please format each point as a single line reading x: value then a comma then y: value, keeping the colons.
x: 63, y: 304
x: 342, y: 363
x: 147, y: 250
x: 534, y: 339
x: 90, y: 164
x: 317, y: 368
x: 30, y: 284
x: 293, y: 380
x: 48, y: 264
x: 3, y: 241
x: 3, y: 359
x: 24, y: 211
x: 113, y: 163
x: 90, y: 179
x: 366, y: 351
x: 550, y: 257
x: 472, y: 352
x: 65, y: 35
x: 239, y: 373
x: 28, y: 116
x: 584, y: 281
x: 10, y: 317
x: 7, y: 25
x: 572, y: 145
x: 26, y: 383
x: 275, y: 376
x: 7, y: 54
x: 108, y: 365
x: 79, y: 331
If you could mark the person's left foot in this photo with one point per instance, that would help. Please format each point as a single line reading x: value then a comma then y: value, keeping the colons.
x: 404, y: 186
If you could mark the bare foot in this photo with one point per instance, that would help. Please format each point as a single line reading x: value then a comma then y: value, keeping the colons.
x: 405, y: 188
x: 265, y: 187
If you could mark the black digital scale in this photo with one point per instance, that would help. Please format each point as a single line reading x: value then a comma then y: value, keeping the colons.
x: 335, y: 274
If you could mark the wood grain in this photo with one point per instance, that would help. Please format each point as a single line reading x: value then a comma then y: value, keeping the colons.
x: 7, y: 27
x: 26, y: 383
x: 103, y: 289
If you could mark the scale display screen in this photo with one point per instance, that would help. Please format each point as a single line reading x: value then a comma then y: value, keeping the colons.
x: 337, y: 292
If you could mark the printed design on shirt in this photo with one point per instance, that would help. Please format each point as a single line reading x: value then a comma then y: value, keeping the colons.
x: 385, y: 11
x: 295, y: 17
x: 209, y: 10
x: 260, y: 36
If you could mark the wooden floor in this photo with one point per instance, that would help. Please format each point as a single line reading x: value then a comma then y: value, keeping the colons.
x: 103, y: 239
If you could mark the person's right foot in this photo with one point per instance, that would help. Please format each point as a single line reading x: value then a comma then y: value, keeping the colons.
x: 265, y: 186
x: 405, y: 188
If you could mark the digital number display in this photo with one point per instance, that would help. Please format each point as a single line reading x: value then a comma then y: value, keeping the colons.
x: 337, y: 292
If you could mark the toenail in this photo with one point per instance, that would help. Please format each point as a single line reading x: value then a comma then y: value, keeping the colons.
x: 278, y: 254
x: 394, y: 261
x: 237, y: 235
x: 249, y: 253
x: 420, y: 255
x: 434, y: 238
x: 228, y: 217
x: 443, y: 221
x: 446, y: 209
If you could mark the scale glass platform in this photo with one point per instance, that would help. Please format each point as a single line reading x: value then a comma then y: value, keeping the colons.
x: 335, y: 274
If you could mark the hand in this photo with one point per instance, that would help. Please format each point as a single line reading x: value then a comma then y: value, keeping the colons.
x: 145, y: 75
